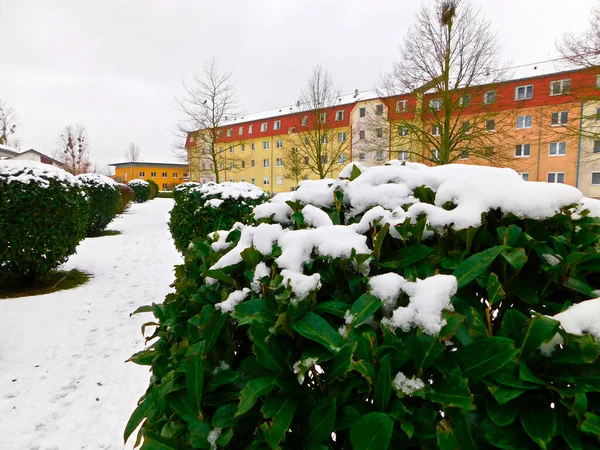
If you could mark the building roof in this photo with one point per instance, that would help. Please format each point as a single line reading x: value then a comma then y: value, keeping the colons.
x: 11, y: 151
x: 150, y: 163
x: 44, y: 155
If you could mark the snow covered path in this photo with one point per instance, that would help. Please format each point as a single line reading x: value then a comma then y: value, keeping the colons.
x: 64, y: 383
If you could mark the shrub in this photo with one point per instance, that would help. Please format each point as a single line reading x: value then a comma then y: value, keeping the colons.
x: 165, y: 194
x: 104, y: 199
x: 141, y: 190
x: 395, y: 307
x: 127, y: 196
x: 153, y: 188
x: 202, y: 208
x: 43, y: 217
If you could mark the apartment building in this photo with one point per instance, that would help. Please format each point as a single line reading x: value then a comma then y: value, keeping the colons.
x: 546, y: 127
x: 166, y: 174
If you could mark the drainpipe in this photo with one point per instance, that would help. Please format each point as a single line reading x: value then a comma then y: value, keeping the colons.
x: 579, y: 145
x: 539, y: 144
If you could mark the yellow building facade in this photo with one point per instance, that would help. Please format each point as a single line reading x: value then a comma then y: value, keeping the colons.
x: 166, y: 174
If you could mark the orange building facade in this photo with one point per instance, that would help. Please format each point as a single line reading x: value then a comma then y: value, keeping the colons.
x: 166, y: 174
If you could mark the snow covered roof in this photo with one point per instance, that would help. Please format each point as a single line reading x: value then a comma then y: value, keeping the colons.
x: 5, y: 149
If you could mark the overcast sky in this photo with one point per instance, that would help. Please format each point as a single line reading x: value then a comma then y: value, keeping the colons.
x: 117, y: 66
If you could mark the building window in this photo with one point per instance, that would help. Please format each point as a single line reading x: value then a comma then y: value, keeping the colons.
x: 339, y: 115
x: 341, y: 159
x: 266, y: 181
x: 558, y: 148
x: 232, y: 180
x: 362, y: 112
x: 466, y: 127
x: 464, y: 154
x: 402, y: 131
x: 221, y: 149
x: 142, y: 174
x: 341, y: 137
x: 174, y: 174
x: 488, y: 152
x: 279, y: 162
x: 229, y: 132
x: 597, y: 146
x: 556, y: 177
x: 243, y: 147
x: 279, y: 143
x: 306, y: 160
x: 165, y: 185
x: 524, y: 92
x: 191, y: 139
x: 435, y: 153
x: 277, y: 125
x: 489, y: 97
x: 185, y: 175
x: 324, y: 140
x: 243, y: 164
x: 241, y: 131
x: 361, y: 134
x: 464, y: 100
x: 231, y: 149
x: 322, y: 117
x: 522, y: 150
x: 490, y: 124
x: 598, y: 81
x: 379, y: 132
x: 219, y: 133
x: 379, y: 109
x: 306, y: 141
x: 252, y: 146
x: 305, y: 121
x: 525, y: 176
x: 436, y: 130
x: 324, y: 159
x: 250, y: 129
x: 403, y: 156
x: 379, y: 156
x: 221, y: 165
x: 243, y: 180
x: 279, y: 181
x: 252, y: 163
x: 435, y: 104
x: 560, y: 118
x: 560, y: 87
x: 153, y: 174
x: 265, y: 145
x: 253, y: 181
x: 596, y: 178
x: 265, y: 163
x: 361, y: 156
x: 524, y: 121
x: 232, y: 165
x: 291, y: 130
x: 263, y: 126
x: 401, y: 105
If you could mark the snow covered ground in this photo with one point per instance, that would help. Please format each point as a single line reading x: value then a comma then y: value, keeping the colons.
x: 64, y: 383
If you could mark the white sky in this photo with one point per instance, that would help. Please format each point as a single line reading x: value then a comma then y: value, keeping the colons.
x: 116, y: 66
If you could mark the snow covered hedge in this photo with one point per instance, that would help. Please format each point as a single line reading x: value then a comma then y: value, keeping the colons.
x: 127, y: 196
x: 104, y: 197
x: 141, y: 189
x: 202, y: 208
x: 43, y: 216
x: 395, y: 307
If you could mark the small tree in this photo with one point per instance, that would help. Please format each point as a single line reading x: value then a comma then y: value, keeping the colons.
x: 317, y: 135
x: 209, y: 102
x: 451, y: 52
x: 133, y: 152
x: 8, y: 124
x: 294, y: 165
x: 73, y: 149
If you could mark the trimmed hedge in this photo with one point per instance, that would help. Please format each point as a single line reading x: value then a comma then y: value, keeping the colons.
x: 127, y: 196
x: 153, y: 188
x: 202, y: 208
x: 104, y: 198
x: 165, y: 194
x: 141, y: 190
x: 396, y: 307
x: 43, y: 217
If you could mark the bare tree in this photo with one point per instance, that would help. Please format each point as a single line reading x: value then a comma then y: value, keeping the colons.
x: 583, y: 50
x: 210, y: 102
x: 133, y: 152
x: 450, y: 59
x: 318, y: 134
x: 295, y: 167
x: 73, y: 149
x: 8, y: 124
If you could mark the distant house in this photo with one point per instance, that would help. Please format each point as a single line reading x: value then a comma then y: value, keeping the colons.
x: 28, y: 155
x: 7, y: 152
x: 166, y: 174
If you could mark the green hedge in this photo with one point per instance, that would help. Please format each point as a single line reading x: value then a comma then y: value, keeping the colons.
x: 399, y: 307
x: 43, y: 217
x: 127, y: 196
x: 165, y: 194
x: 104, y: 198
x: 202, y: 208
x: 153, y: 188
x: 141, y: 190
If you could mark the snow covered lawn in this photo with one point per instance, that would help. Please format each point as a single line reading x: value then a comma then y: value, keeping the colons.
x: 64, y: 383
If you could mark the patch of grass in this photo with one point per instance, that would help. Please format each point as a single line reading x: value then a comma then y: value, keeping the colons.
x: 107, y: 233
x: 57, y: 280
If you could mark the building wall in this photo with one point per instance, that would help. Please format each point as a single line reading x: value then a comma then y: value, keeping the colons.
x: 174, y: 175
x: 589, y: 163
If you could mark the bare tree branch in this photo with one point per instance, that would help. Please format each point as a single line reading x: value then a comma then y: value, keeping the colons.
x: 8, y: 125
x: 73, y: 149
x: 583, y: 50
x: 132, y: 153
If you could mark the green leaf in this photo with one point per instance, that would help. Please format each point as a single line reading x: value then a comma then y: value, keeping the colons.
x: 139, y: 414
x: 252, y: 391
x: 504, y: 394
x: 315, y: 328
x: 495, y: 290
x: 219, y: 275
x: 539, y: 424
x: 445, y: 436
x: 516, y: 257
x: 199, y: 434
x: 414, y: 254
x: 363, y: 308
x: 383, y: 384
x: 579, y: 286
x: 194, y: 377
x: 355, y: 172
x: 181, y: 405
x: 281, y: 411
x: 321, y: 421
x: 591, y: 424
x: 512, y: 324
x: 342, y: 363
x: 333, y: 307
x: 540, y: 329
x: 143, y: 309
x: 154, y: 441
x: 268, y: 352
x: 501, y: 415
x: 426, y: 350
x: 224, y: 416
x: 372, y: 431
x: 475, y: 265
x: 251, y: 256
x: 452, y: 391
x: 486, y: 356
x: 378, y: 240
